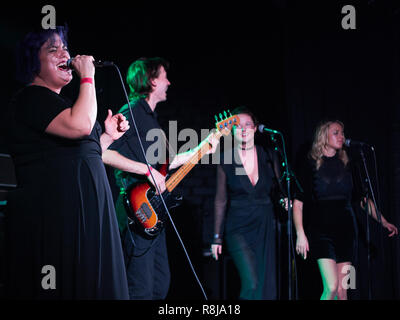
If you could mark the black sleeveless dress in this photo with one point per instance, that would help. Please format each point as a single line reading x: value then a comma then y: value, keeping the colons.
x: 62, y: 214
x: 249, y: 225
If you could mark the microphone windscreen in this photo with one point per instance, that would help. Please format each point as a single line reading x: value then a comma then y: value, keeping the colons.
x: 69, y: 63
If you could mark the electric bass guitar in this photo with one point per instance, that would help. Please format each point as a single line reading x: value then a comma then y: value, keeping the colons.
x: 145, y: 209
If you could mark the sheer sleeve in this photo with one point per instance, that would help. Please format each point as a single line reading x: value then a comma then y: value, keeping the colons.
x: 220, y: 202
x: 303, y: 188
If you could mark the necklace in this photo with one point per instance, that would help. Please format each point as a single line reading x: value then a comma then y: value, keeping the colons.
x: 243, y: 147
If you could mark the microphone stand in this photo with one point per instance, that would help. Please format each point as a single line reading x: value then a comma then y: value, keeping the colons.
x: 290, y: 213
x: 378, y: 214
x: 290, y: 170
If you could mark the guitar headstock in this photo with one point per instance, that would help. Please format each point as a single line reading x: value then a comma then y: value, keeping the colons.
x: 226, y: 122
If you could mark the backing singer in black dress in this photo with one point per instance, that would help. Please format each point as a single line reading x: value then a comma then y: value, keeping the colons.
x: 329, y: 193
x: 244, y: 211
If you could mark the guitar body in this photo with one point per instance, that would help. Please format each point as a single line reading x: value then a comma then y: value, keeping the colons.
x: 146, y: 211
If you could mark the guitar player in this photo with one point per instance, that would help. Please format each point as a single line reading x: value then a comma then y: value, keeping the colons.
x: 146, y: 259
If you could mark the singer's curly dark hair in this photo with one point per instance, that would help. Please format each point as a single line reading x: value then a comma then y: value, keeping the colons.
x: 27, y: 51
x: 141, y: 73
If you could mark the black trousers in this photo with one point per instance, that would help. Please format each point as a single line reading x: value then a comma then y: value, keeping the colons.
x: 147, y: 266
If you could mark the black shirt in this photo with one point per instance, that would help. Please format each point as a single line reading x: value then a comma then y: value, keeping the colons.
x: 151, y: 135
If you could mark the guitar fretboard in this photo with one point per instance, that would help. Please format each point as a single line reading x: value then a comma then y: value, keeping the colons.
x: 177, y: 177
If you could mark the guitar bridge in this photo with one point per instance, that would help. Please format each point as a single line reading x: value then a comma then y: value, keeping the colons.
x: 143, y: 213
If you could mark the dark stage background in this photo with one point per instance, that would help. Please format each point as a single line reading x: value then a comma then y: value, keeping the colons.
x: 289, y: 61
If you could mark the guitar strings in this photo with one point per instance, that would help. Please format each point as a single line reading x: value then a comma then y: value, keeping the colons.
x: 180, y: 174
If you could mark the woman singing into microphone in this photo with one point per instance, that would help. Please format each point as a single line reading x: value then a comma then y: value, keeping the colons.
x: 328, y: 192
x: 62, y: 239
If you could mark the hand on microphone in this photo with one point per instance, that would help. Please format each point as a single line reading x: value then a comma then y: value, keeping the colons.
x: 84, y: 67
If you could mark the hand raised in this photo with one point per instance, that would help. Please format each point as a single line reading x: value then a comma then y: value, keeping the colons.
x: 115, y: 126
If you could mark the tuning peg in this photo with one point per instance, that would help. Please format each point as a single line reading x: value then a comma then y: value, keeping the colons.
x: 220, y: 116
x: 225, y: 115
x: 229, y: 112
x: 216, y: 118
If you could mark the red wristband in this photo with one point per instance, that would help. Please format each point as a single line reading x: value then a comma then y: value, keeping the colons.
x: 87, y: 80
x: 148, y: 172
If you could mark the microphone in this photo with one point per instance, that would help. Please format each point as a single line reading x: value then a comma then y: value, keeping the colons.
x: 97, y: 64
x: 262, y: 128
x: 353, y: 143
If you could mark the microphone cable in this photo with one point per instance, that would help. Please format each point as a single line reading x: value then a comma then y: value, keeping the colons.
x: 155, y: 184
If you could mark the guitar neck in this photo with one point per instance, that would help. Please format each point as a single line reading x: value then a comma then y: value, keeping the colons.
x: 177, y: 177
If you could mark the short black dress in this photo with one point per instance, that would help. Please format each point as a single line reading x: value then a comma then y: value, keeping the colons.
x: 62, y: 237
x: 329, y: 218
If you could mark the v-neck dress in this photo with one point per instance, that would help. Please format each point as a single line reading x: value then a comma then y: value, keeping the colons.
x: 248, y: 224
